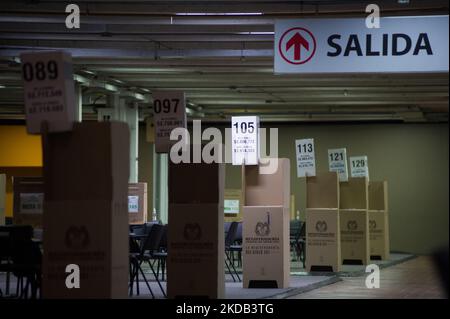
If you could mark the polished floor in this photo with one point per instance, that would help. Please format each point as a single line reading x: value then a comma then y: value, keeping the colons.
x: 416, y: 278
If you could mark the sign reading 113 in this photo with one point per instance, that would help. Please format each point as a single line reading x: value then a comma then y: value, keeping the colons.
x: 307, y: 148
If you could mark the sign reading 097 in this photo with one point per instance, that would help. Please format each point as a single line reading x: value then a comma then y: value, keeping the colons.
x: 169, y: 112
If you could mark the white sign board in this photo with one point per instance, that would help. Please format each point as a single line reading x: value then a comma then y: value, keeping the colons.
x: 31, y: 203
x: 337, y: 160
x: 49, y: 90
x: 169, y: 112
x: 306, y: 161
x: 133, y: 204
x: 231, y: 206
x: 359, y: 166
x: 401, y: 44
x: 245, y: 140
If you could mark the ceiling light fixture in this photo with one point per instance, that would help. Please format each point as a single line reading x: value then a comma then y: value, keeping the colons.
x: 219, y: 13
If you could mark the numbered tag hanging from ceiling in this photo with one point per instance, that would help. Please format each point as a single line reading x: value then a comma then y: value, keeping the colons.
x: 169, y: 112
x: 359, y: 166
x: 245, y: 140
x: 337, y: 161
x: 306, y: 160
x: 49, y: 90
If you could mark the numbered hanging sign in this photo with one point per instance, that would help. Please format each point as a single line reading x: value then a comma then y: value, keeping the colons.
x: 49, y: 90
x: 133, y: 204
x: 306, y: 160
x: 169, y: 112
x: 337, y: 161
x: 245, y: 140
x: 359, y: 166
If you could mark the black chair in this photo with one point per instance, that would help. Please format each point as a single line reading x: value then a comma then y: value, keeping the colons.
x: 236, y: 247
x: 23, y: 259
x: 229, y: 241
x: 298, y: 239
x: 150, y: 245
x: 161, y: 254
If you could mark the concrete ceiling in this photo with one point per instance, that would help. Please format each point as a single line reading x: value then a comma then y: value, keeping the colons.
x: 219, y: 52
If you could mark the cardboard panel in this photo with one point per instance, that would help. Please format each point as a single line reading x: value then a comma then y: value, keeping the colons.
x: 195, y: 264
x: 86, y: 210
x: 268, y: 189
x: 354, y: 193
x: 88, y: 162
x: 2, y: 198
x: 323, y: 244
x: 196, y: 183
x: 354, y: 226
x: 92, y: 235
x: 378, y: 195
x: 379, y: 235
x: 322, y: 190
x: 266, y: 245
x: 28, y: 201
x: 137, y: 203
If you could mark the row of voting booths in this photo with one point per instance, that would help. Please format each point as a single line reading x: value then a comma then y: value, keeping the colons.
x: 346, y: 222
x: 28, y: 202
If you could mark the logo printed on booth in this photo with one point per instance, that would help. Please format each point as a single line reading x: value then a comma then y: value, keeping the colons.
x: 297, y: 45
x: 321, y: 226
x: 372, y: 224
x: 263, y: 228
x: 352, y: 225
x: 192, y: 231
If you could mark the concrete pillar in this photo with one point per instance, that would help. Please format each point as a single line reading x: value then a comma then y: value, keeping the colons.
x: 78, y: 103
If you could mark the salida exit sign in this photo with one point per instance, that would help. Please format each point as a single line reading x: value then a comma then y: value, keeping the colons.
x: 401, y: 44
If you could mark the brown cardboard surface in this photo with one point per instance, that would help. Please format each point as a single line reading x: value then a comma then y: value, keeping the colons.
x: 379, y: 234
x: 86, y: 155
x: 354, y: 226
x: 85, y: 211
x: 265, y: 251
x: 323, y: 244
x: 268, y: 189
x: 322, y: 190
x: 195, y: 264
x: 28, y: 191
x: 354, y: 193
x: 196, y: 183
x: 2, y: 198
x: 138, y: 216
x: 92, y: 235
x: 378, y: 195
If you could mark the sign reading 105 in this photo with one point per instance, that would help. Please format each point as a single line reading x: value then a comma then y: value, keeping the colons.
x: 245, y: 127
x: 165, y: 105
x: 40, y: 71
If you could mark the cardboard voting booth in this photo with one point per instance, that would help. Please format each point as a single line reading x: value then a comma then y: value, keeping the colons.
x: 195, y: 265
x: 265, y: 261
x: 379, y: 220
x: 2, y: 198
x: 323, y: 244
x: 86, y: 175
x: 354, y: 221
x: 137, y: 203
x: 28, y: 201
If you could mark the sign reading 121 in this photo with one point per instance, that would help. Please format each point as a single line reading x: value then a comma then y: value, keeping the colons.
x: 337, y: 160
